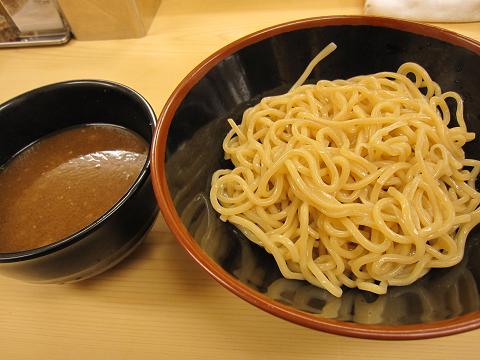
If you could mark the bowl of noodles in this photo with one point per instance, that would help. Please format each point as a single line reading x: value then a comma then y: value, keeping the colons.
x: 325, y: 170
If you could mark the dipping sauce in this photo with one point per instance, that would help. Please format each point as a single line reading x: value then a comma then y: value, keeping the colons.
x: 66, y: 181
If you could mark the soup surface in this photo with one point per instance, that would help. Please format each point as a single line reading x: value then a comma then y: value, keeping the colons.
x: 66, y: 181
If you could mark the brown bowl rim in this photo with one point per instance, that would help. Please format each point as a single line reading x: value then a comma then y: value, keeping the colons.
x: 456, y: 325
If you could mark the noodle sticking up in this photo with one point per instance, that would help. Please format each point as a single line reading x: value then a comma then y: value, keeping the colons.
x: 360, y: 182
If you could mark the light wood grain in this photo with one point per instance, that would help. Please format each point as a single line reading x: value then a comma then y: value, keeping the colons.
x: 158, y: 304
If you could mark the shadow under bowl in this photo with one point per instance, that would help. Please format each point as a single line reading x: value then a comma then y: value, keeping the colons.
x: 109, y: 239
x: 187, y: 149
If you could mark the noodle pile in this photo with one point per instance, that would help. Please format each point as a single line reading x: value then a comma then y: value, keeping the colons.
x: 357, y: 182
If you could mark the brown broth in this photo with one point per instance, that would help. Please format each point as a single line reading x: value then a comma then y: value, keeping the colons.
x: 64, y: 182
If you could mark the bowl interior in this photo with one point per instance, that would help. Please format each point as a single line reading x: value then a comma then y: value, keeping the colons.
x: 48, y: 109
x: 271, y: 66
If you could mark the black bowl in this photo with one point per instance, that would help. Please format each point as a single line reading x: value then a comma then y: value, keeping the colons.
x: 187, y: 149
x: 114, y: 235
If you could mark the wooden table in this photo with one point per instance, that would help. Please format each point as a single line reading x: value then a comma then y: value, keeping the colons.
x: 158, y: 303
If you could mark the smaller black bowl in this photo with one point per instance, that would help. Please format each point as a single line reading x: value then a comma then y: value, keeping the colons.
x: 114, y: 235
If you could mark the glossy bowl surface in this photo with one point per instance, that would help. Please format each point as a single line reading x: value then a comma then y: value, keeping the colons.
x: 104, y: 243
x: 187, y: 149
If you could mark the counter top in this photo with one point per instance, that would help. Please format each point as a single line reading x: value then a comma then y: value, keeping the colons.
x: 158, y: 303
